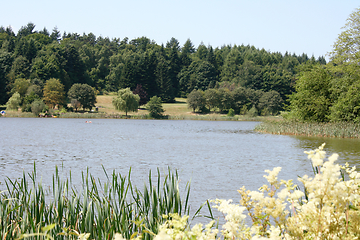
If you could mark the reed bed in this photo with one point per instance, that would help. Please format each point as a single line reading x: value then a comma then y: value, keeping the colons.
x: 335, y: 129
x: 62, y: 211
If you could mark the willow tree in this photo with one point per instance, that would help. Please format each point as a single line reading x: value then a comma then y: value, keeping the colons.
x: 126, y: 101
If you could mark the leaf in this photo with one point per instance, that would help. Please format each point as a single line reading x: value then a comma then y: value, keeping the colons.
x: 48, y: 227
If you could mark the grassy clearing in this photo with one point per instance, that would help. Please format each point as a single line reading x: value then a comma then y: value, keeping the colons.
x: 339, y: 129
x: 100, y: 209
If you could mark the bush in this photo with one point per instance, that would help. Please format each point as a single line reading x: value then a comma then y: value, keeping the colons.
x: 253, y: 112
x: 155, y: 108
x: 231, y: 113
x: 37, y: 107
x: 243, y: 110
x: 14, y: 102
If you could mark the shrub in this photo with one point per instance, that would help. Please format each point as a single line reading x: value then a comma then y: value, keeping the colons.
x: 37, y: 107
x: 231, y: 113
x: 155, y: 107
x: 253, y: 112
x: 14, y: 102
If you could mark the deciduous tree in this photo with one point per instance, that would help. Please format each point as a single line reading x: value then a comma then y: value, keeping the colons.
x: 196, y: 100
x: 84, y: 94
x: 54, y: 93
x: 212, y: 98
x: 126, y: 101
x: 37, y: 107
x: 139, y: 90
x: 14, y: 102
x: 312, y: 99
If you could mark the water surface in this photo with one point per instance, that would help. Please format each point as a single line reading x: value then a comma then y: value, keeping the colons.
x: 218, y: 156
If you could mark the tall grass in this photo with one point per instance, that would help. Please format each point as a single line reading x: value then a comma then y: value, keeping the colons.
x: 63, y: 211
x: 336, y: 129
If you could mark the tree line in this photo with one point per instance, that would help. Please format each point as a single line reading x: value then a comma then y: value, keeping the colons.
x: 166, y: 71
x: 330, y: 92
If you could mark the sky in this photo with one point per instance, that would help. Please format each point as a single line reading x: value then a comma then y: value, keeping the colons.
x: 306, y: 26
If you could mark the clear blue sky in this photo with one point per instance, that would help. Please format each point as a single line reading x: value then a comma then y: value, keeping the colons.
x: 306, y: 26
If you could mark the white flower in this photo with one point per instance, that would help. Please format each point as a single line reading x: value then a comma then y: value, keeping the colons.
x: 296, y: 195
x: 162, y: 236
x: 283, y: 193
x: 118, y: 236
x: 272, y: 177
x: 257, y: 196
x: 317, y: 156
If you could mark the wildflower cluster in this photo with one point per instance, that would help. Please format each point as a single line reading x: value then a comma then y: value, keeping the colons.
x: 327, y: 208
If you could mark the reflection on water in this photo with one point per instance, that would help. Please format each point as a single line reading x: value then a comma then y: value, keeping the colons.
x: 348, y: 149
x: 218, y: 156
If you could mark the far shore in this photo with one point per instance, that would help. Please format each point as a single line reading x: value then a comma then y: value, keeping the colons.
x: 173, y: 111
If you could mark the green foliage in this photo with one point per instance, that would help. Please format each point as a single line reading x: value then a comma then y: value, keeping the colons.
x: 6, y: 60
x: 196, y: 100
x: 231, y: 113
x: 199, y: 75
x: 271, y: 102
x: 154, y: 106
x: 54, y: 93
x: 34, y: 89
x: 14, y: 102
x: 126, y: 101
x: 253, y: 112
x: 212, y: 98
x: 225, y: 97
x: 83, y: 94
x: 331, y: 92
x: 21, y: 86
x: 346, y: 47
x: 26, y: 105
x: 37, y: 107
x: 312, y: 99
x: 97, y: 210
x: 167, y: 72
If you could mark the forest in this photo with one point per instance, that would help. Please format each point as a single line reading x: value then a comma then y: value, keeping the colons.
x: 166, y: 71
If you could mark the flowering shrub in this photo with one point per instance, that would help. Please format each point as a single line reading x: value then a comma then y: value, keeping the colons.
x: 327, y: 208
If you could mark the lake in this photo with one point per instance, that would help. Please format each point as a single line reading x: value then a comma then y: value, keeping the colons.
x: 218, y: 156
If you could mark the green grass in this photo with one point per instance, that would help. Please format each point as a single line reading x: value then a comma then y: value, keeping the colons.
x: 63, y: 211
x: 173, y: 111
x: 338, y: 129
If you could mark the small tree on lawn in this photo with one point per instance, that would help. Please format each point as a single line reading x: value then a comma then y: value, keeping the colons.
x: 196, y: 100
x: 126, y: 101
x: 83, y: 94
x: 155, y: 108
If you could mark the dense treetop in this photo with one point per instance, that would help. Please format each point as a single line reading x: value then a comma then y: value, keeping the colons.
x: 331, y: 92
x: 164, y: 71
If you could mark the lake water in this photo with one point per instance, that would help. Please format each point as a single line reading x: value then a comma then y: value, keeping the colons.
x: 218, y: 156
